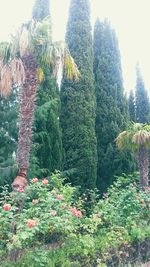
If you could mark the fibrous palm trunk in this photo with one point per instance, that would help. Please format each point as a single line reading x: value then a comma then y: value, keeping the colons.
x: 143, y: 163
x: 26, y: 114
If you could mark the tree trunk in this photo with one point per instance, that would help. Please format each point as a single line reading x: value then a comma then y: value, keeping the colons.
x: 26, y: 114
x: 143, y: 163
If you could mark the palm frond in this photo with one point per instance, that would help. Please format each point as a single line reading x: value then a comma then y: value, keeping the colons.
x: 70, y: 68
x: 141, y: 137
x: 6, y: 81
x: 17, y: 70
x: 40, y: 74
x: 5, y: 51
x: 24, y: 41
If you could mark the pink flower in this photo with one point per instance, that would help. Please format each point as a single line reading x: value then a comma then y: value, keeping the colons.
x: 59, y: 197
x: 45, y: 181
x: 6, y: 207
x: 35, y: 201
x: 76, y: 212
x: 35, y: 180
x: 53, y: 212
x: 31, y: 223
x: 20, y: 189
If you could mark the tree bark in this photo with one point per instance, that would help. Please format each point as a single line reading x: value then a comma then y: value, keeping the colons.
x: 26, y: 114
x: 143, y: 163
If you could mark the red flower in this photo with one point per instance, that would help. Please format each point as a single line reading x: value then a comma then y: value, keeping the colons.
x: 59, y: 197
x: 63, y: 206
x: 53, y: 212
x: 6, y: 207
x: 31, y: 223
x: 35, y: 180
x: 45, y: 181
x: 20, y: 189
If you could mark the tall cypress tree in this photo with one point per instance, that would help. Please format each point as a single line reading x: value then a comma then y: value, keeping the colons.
x: 111, y: 112
x: 132, y: 106
x: 141, y: 98
x: 8, y: 137
x: 46, y: 154
x: 78, y: 101
x: 41, y: 9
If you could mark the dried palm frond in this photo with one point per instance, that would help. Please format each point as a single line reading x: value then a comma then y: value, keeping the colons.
x: 41, y: 31
x: 24, y: 42
x: 17, y: 70
x: 56, y: 67
x: 6, y: 81
x: 121, y: 140
x: 1, y: 65
x: 141, y: 137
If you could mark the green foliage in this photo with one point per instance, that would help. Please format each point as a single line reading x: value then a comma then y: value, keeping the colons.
x: 78, y: 102
x: 132, y: 106
x: 44, y: 225
x: 111, y: 112
x: 41, y: 213
x: 8, y: 137
x: 142, y: 100
x: 126, y: 207
x: 46, y: 154
x: 41, y: 9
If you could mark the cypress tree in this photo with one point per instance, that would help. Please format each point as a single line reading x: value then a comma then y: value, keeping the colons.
x: 78, y: 101
x: 46, y: 154
x: 41, y: 9
x: 141, y: 98
x: 111, y: 112
x: 8, y: 137
x: 132, y: 106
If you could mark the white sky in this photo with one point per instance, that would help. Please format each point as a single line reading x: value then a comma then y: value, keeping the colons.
x: 130, y: 18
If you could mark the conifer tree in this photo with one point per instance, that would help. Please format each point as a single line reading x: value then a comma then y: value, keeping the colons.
x: 41, y: 9
x: 78, y: 101
x: 111, y: 112
x: 8, y: 137
x: 132, y: 106
x: 46, y: 154
x: 141, y: 98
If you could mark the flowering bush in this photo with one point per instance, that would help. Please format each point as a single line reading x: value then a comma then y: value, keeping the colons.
x: 39, y: 212
x: 39, y: 219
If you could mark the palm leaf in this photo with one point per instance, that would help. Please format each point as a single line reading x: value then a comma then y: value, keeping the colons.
x: 17, y: 70
x: 6, y: 81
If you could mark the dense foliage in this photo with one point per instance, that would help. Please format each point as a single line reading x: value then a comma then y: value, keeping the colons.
x: 142, y: 107
x: 132, y: 106
x: 78, y: 101
x: 70, y: 237
x: 8, y: 137
x: 98, y: 215
x: 46, y: 154
x: 111, y: 112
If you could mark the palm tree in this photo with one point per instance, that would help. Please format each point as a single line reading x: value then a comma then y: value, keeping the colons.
x: 20, y: 64
x: 137, y: 140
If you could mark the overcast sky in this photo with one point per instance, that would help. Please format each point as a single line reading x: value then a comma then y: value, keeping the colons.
x: 130, y: 19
